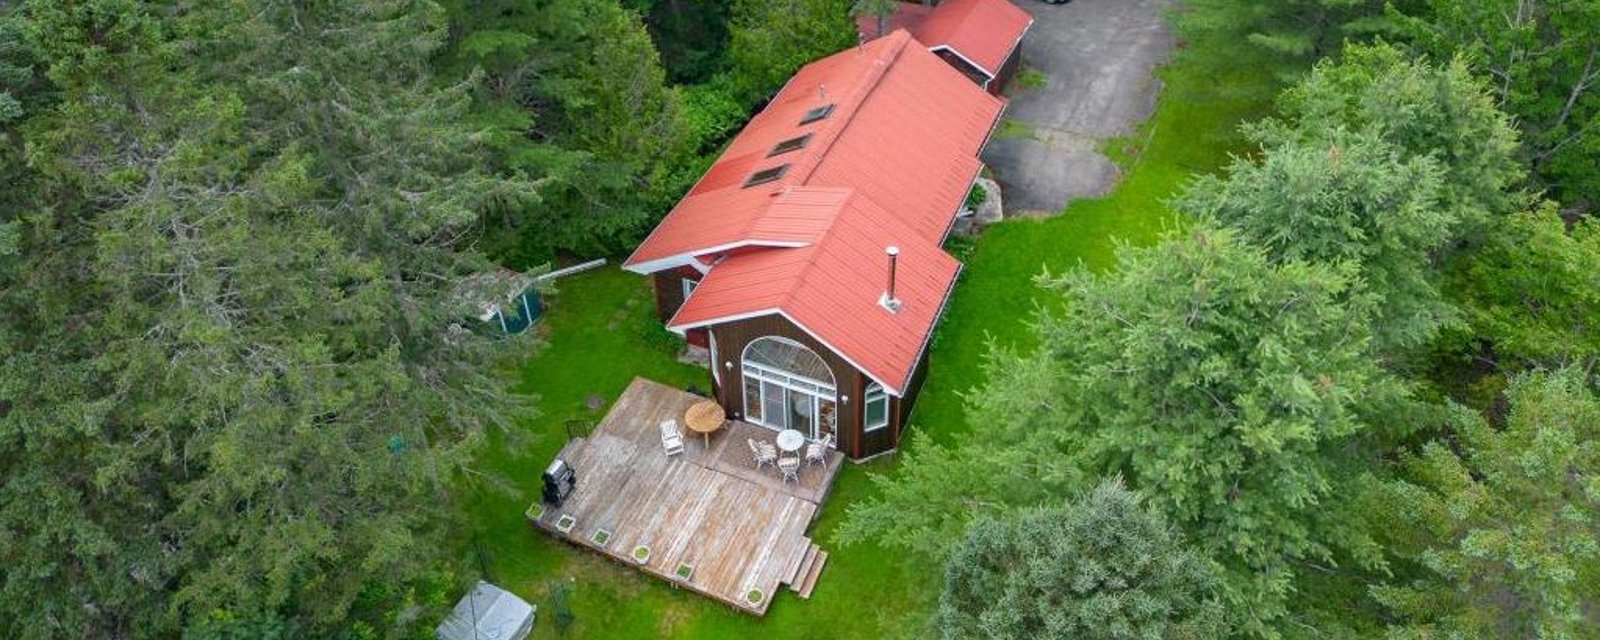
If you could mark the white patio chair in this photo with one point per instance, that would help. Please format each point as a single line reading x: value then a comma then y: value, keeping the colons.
x: 768, y: 451
x: 817, y: 452
x: 671, y: 438
x: 762, y: 456
x: 790, y: 468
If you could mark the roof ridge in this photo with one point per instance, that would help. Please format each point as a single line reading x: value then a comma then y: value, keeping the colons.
x: 882, y: 62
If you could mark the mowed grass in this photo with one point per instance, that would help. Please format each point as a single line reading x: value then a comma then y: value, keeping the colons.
x: 601, y: 332
x: 1207, y: 93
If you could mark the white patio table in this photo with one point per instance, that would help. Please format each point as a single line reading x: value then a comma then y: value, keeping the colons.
x: 790, y: 441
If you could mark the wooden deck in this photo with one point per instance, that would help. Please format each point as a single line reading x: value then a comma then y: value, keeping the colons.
x: 739, y: 527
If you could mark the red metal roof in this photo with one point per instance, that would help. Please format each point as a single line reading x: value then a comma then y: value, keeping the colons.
x: 984, y: 32
x: 889, y: 165
x: 832, y: 288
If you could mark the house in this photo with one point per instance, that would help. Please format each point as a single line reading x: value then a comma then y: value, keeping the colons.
x: 808, y: 258
x: 980, y: 38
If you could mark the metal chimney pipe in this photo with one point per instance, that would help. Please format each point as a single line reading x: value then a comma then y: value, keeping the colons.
x: 889, y: 299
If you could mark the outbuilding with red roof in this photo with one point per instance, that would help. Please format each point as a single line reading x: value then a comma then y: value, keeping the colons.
x: 808, y: 258
x: 980, y: 38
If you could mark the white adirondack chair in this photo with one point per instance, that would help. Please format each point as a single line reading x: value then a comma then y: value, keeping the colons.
x: 671, y: 438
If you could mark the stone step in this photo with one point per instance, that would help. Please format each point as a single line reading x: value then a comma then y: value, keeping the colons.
x: 815, y: 573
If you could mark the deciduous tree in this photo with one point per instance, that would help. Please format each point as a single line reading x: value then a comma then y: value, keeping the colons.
x: 1533, y: 291
x: 773, y: 38
x: 880, y: 10
x: 1542, y: 59
x: 1423, y: 109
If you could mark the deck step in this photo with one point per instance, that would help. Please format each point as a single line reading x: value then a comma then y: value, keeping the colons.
x: 812, y: 576
x: 803, y: 567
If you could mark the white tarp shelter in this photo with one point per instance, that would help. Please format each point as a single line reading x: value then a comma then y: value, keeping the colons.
x: 488, y: 613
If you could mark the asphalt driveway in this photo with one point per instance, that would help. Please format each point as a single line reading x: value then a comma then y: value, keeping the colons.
x: 1099, y: 56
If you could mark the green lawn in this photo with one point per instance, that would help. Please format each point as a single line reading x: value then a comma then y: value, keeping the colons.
x: 601, y: 332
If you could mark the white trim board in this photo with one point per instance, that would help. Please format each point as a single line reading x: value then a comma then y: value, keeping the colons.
x: 945, y: 47
x: 692, y: 258
x: 891, y: 389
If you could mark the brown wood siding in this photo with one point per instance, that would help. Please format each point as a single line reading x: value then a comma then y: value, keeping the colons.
x: 732, y: 337
x: 669, y: 296
x: 908, y: 402
x: 1008, y: 71
x: 975, y: 74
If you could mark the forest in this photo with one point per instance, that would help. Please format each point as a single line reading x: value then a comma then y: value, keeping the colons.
x: 1350, y: 392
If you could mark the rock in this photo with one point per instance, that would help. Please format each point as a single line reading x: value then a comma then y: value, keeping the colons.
x: 991, y: 210
x: 964, y: 227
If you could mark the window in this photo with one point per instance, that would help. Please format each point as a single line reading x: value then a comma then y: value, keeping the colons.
x: 766, y: 175
x: 876, y: 407
x: 817, y: 114
x: 792, y: 144
x: 688, y: 287
x: 787, y: 386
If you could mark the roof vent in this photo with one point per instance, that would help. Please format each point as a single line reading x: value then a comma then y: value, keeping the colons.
x: 817, y: 114
x: 889, y: 300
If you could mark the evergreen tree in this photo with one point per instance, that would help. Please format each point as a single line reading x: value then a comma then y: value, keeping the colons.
x: 1502, y: 522
x: 1423, y: 110
x: 576, y: 98
x: 1296, y: 33
x: 1345, y: 199
x: 1234, y: 393
x: 232, y: 389
x: 1101, y: 566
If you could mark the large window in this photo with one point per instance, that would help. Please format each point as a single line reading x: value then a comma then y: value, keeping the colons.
x: 876, y: 407
x: 788, y: 386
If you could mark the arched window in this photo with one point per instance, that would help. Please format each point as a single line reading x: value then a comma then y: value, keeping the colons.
x: 788, y: 386
x: 875, y: 408
x: 790, y: 358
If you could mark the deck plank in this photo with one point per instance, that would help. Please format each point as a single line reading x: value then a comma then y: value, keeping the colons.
x: 739, y: 526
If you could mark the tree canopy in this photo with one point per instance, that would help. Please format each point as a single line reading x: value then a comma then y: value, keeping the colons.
x: 1542, y: 60
x: 1500, y: 520
x: 1345, y: 198
x: 232, y: 387
x: 1533, y: 291
x: 1437, y: 110
x: 1229, y: 390
x: 1098, y: 567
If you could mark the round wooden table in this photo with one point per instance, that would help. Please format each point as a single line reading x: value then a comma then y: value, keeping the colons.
x: 704, y: 417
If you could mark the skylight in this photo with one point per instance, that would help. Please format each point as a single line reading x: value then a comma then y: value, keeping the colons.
x: 791, y: 144
x: 817, y: 114
x: 766, y: 175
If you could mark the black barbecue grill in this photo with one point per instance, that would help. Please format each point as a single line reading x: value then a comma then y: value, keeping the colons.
x: 559, y: 479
